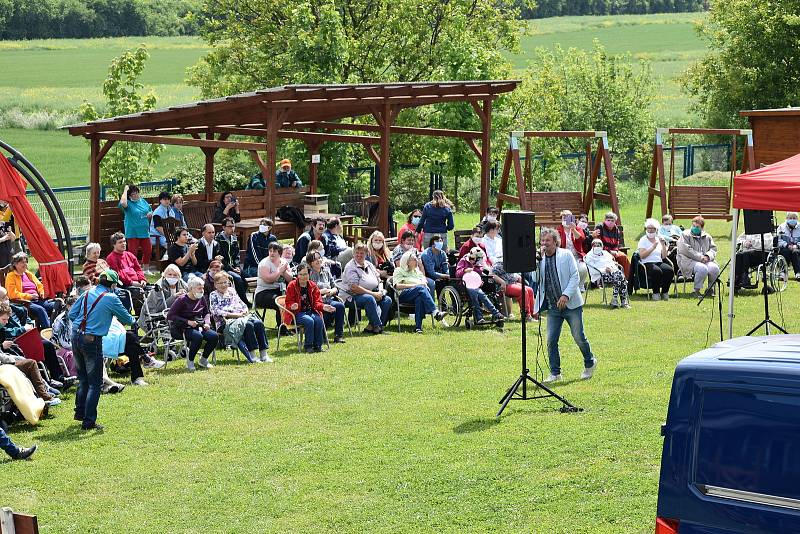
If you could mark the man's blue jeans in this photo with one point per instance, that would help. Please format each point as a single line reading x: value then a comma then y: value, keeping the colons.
x: 7, y: 445
x: 370, y: 307
x: 477, y: 297
x: 89, y: 361
x: 422, y: 300
x: 555, y: 320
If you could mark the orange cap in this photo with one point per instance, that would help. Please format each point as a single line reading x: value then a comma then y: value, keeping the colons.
x: 286, y: 162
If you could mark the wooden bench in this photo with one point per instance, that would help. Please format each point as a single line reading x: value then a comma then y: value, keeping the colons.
x: 547, y: 205
x: 11, y: 521
x: 688, y: 201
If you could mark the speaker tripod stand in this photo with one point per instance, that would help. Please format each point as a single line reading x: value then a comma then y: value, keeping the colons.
x: 767, y: 321
x: 514, y: 392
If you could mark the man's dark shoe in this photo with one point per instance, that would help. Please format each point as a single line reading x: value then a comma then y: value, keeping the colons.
x: 338, y: 339
x: 26, y: 453
x: 56, y: 384
x: 92, y: 426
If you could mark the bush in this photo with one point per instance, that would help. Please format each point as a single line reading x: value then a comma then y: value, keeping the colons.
x: 231, y: 173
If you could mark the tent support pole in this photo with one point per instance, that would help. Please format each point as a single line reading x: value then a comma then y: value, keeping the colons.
x: 732, y: 284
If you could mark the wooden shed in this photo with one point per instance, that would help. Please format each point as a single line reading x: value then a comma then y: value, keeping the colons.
x: 776, y: 133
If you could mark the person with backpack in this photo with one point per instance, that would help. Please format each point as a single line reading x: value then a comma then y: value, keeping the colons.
x: 92, y: 313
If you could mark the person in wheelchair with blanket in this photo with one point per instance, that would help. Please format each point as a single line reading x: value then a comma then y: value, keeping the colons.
x: 471, y: 264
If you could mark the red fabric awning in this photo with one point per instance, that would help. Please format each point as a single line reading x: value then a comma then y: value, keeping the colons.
x: 53, y: 268
x: 774, y: 187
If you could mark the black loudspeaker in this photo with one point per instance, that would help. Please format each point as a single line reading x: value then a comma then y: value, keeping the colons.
x: 758, y: 222
x: 519, y: 241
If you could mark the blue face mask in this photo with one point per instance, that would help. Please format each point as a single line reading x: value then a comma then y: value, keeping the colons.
x: 791, y: 223
x: 439, y: 245
x: 696, y: 230
x: 415, y: 220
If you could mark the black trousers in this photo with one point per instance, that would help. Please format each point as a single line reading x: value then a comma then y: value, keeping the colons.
x: 747, y: 259
x: 659, y: 276
x: 266, y: 299
x: 240, y: 285
x: 792, y: 257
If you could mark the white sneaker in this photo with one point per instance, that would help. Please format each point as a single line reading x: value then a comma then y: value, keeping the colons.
x: 55, y: 401
x: 664, y: 296
x: 797, y: 276
x: 552, y: 378
x: 589, y: 371
x: 190, y: 366
x: 140, y: 382
x: 656, y: 296
x: 265, y: 359
x: 153, y: 364
x: 203, y: 362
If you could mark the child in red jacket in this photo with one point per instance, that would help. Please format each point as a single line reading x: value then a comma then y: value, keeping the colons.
x: 304, y: 300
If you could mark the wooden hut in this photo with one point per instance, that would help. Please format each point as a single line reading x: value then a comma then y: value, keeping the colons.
x: 776, y: 133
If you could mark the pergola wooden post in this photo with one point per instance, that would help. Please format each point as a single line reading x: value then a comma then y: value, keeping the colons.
x: 309, y: 113
x: 313, y: 166
x: 688, y: 201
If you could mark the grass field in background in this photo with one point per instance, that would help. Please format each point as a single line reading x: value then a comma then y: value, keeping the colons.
x: 668, y: 41
x: 388, y: 434
x: 58, y: 75
x: 61, y: 73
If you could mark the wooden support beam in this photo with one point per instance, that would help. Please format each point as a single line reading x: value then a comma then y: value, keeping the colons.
x: 611, y: 180
x: 485, y: 153
x: 373, y: 154
x: 705, y: 131
x: 313, y: 149
x: 406, y: 130
x: 103, y: 151
x: 501, y: 195
x: 474, y: 146
x: 94, y: 190
x: 180, y: 141
x: 384, y: 117
x: 209, y: 169
x: 560, y: 133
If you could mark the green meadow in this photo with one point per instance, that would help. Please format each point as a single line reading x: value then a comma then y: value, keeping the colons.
x: 47, y: 80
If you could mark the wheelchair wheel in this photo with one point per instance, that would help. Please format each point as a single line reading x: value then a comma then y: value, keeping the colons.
x: 450, y: 303
x: 779, y: 273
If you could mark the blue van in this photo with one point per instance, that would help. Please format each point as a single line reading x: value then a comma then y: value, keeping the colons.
x: 731, y: 458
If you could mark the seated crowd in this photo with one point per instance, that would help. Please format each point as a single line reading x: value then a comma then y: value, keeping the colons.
x: 201, y: 298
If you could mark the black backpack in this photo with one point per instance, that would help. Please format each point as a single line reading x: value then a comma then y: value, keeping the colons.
x: 292, y: 214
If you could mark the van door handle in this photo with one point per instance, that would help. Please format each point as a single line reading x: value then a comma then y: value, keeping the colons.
x: 663, y: 429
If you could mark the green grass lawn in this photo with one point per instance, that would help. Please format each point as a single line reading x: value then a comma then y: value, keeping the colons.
x: 61, y: 73
x: 667, y: 40
x: 389, y: 434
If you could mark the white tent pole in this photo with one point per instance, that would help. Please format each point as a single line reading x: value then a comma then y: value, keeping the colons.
x: 732, y: 283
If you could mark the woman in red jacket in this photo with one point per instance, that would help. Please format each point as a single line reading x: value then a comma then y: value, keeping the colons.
x: 304, y: 300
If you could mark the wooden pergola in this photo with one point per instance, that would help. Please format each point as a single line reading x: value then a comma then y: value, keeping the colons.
x: 309, y: 113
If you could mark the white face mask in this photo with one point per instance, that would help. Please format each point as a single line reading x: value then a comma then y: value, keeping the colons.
x: 583, y: 225
x: 597, y: 250
x: 491, y: 218
x: 377, y: 246
x: 198, y: 294
x: 650, y: 233
x: 171, y: 281
x: 263, y: 228
x: 666, y: 226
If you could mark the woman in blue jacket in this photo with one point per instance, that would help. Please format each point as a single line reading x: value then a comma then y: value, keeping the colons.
x: 437, y: 219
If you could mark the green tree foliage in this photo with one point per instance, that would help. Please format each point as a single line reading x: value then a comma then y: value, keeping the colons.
x: 259, y: 44
x: 559, y: 8
x: 125, y: 163
x: 754, y: 60
x: 46, y: 19
x: 579, y: 90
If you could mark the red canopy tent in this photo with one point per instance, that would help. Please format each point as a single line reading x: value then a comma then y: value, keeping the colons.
x: 773, y: 187
x: 53, y: 268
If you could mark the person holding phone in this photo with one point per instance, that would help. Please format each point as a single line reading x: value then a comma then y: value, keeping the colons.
x: 572, y: 238
x: 182, y: 254
x: 228, y: 206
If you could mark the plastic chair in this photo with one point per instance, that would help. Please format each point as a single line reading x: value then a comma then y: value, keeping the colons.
x: 296, y: 330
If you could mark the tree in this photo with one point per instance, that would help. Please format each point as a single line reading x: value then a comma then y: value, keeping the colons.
x: 754, y: 60
x: 125, y: 163
x: 259, y: 44
x: 578, y: 90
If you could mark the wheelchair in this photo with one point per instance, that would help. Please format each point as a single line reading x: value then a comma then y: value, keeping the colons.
x: 453, y: 299
x: 777, y: 271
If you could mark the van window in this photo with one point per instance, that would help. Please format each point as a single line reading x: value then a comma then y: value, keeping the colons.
x: 749, y: 441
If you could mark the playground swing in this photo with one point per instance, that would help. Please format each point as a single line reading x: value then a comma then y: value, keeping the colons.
x: 548, y: 204
x: 688, y: 201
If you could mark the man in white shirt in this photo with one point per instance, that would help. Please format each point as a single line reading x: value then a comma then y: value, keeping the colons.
x: 493, y: 242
